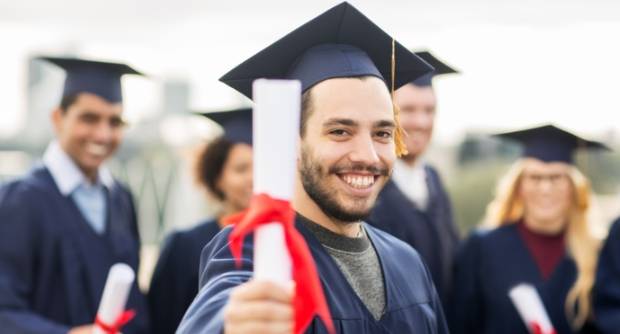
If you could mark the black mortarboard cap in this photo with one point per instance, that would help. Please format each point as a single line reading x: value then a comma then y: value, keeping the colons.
x: 341, y: 42
x: 440, y: 68
x: 87, y: 76
x: 550, y: 144
x: 237, y: 124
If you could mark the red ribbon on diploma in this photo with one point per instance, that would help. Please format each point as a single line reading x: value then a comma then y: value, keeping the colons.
x: 121, y: 321
x: 309, y: 299
x: 537, y: 329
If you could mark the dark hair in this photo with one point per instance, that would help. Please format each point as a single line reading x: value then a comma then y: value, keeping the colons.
x: 306, y: 110
x: 211, y: 163
x: 67, y: 101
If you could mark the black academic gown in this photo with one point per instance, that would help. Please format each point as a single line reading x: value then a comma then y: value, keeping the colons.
x: 175, y: 279
x: 607, y: 286
x: 431, y: 232
x: 491, y: 263
x: 53, y: 266
x: 412, y: 305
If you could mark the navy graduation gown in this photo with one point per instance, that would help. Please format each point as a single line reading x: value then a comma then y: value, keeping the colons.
x: 431, y: 232
x: 53, y: 266
x: 175, y: 279
x: 412, y: 305
x: 490, y: 263
x: 607, y: 286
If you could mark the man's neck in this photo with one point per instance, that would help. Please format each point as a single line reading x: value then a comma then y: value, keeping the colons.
x: 91, y: 176
x: 410, y: 160
x: 309, y: 209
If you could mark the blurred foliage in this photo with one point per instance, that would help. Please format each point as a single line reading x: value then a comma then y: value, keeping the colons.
x: 471, y: 188
x: 603, y: 170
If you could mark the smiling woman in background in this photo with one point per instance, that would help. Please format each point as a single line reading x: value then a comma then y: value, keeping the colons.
x: 225, y: 170
x: 538, y: 234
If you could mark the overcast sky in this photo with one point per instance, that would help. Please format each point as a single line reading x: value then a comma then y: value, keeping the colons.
x: 522, y: 62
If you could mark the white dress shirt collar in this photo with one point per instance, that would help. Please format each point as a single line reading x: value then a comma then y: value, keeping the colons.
x: 66, y: 173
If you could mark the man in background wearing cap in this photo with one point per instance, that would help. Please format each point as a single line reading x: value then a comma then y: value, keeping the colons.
x: 373, y: 282
x: 64, y: 224
x: 414, y: 206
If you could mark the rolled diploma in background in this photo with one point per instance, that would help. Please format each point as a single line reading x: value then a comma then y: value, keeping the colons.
x: 115, y: 294
x: 275, y: 137
x: 530, y: 306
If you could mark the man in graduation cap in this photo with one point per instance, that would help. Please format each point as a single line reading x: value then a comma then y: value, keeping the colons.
x: 414, y: 206
x: 65, y: 223
x: 373, y: 282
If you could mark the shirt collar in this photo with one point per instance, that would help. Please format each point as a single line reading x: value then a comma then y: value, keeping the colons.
x: 66, y: 173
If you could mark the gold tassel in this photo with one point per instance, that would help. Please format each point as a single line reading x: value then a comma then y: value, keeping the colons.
x: 399, y: 141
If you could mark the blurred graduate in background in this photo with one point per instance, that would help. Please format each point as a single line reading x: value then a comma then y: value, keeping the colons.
x: 64, y: 224
x: 537, y: 232
x: 414, y: 206
x: 224, y: 169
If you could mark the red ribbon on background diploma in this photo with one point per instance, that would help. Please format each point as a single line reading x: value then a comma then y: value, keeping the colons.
x: 309, y: 299
x: 537, y: 329
x: 121, y: 321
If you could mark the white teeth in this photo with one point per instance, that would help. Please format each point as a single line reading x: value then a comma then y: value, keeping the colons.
x: 358, y: 181
x: 96, y: 149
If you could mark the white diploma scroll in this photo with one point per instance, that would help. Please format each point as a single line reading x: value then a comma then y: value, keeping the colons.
x: 115, y: 294
x: 275, y: 136
x: 530, y: 307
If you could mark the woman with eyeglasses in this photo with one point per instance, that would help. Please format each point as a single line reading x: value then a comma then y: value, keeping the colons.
x: 535, y: 232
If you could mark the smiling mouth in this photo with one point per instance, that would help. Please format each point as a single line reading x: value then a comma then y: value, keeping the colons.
x: 359, y: 181
x: 96, y: 149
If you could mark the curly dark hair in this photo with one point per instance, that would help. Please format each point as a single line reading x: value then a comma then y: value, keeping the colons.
x: 210, y: 164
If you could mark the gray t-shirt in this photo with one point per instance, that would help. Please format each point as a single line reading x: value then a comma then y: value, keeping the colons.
x: 358, y: 261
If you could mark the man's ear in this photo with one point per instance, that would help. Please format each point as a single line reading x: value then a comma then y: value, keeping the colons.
x: 57, y: 118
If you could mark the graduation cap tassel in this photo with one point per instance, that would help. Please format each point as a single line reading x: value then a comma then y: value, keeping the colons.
x: 401, y: 148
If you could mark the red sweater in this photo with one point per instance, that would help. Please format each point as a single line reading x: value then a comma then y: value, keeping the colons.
x: 547, y: 250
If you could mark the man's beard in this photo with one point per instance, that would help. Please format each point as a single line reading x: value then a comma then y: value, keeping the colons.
x: 312, y: 175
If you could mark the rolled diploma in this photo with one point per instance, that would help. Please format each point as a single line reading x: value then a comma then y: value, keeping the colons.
x: 115, y: 294
x: 530, y: 306
x: 275, y: 137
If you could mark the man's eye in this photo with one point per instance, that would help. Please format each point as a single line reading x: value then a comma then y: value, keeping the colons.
x: 89, y: 118
x: 117, y: 122
x: 338, y: 132
x: 384, y: 134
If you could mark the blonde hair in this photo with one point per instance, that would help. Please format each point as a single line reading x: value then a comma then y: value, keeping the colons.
x: 583, y: 247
